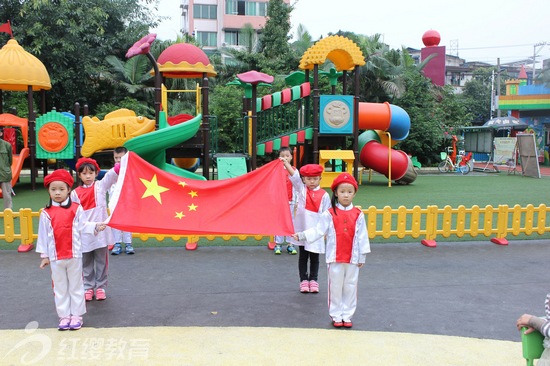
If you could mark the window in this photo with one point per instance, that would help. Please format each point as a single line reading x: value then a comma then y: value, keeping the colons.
x: 245, y: 7
x: 231, y: 38
x: 201, y: 11
x: 207, y: 39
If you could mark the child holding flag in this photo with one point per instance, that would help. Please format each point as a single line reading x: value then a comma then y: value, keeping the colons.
x: 346, y: 250
x: 121, y: 237
x: 311, y: 201
x: 60, y: 243
x: 286, y: 154
x: 92, y: 196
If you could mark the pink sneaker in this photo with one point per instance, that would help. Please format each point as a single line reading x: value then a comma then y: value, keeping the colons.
x: 304, y: 286
x: 313, y: 287
x: 76, y: 322
x: 100, y: 294
x: 64, y: 323
x: 89, y: 294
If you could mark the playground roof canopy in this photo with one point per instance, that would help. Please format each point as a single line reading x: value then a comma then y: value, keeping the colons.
x: 342, y: 51
x: 19, y: 69
x: 184, y: 61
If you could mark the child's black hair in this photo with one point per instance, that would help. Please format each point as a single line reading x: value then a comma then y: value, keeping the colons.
x: 334, y: 201
x: 69, y: 202
x: 121, y: 149
x: 285, y: 148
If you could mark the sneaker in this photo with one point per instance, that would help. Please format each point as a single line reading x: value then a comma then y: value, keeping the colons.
x: 89, y: 294
x: 76, y: 322
x: 291, y: 250
x: 304, y: 286
x: 347, y: 324
x: 116, y: 249
x: 100, y: 294
x: 277, y: 249
x: 337, y: 324
x: 313, y: 286
x: 129, y: 249
x: 64, y: 323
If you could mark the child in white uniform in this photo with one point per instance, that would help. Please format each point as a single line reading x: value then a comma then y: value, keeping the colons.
x: 120, y: 237
x: 286, y: 154
x: 92, y: 196
x: 311, y: 201
x: 347, y: 245
x: 59, y: 243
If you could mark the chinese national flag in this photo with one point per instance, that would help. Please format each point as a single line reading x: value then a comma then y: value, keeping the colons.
x: 150, y: 200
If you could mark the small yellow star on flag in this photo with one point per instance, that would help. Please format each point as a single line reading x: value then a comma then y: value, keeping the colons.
x: 193, y: 194
x: 179, y: 215
x: 182, y: 184
x: 192, y: 207
x: 153, y: 188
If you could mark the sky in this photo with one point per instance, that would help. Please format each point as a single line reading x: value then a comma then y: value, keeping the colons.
x: 475, y: 30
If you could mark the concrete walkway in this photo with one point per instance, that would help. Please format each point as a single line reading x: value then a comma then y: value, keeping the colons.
x: 451, y: 305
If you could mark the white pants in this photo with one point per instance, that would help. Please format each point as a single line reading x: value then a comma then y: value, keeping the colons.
x: 6, y: 194
x: 68, y: 287
x: 122, y: 236
x: 342, y: 290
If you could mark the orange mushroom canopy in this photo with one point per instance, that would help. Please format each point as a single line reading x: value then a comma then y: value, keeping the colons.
x: 185, y: 61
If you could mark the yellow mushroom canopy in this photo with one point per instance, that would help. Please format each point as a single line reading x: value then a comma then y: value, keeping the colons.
x: 343, y: 53
x: 19, y: 69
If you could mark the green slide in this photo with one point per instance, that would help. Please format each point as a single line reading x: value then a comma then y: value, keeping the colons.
x: 152, y: 146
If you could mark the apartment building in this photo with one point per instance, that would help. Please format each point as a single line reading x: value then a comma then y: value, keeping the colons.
x: 217, y: 23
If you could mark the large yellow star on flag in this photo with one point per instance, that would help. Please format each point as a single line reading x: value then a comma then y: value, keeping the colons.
x: 153, y: 188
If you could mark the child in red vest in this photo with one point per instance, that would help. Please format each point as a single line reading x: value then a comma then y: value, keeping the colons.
x: 286, y: 154
x: 92, y: 196
x: 311, y: 201
x: 347, y: 245
x: 59, y: 243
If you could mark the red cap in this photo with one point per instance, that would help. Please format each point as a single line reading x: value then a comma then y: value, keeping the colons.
x: 81, y: 161
x: 60, y: 175
x: 311, y: 170
x: 344, y: 178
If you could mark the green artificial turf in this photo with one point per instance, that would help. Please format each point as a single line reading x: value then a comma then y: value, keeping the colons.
x: 428, y: 189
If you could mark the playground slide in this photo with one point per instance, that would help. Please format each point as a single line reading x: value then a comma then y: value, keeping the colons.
x: 17, y: 165
x: 378, y: 118
x: 152, y: 146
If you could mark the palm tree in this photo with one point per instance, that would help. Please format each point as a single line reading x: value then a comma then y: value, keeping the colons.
x: 131, y: 76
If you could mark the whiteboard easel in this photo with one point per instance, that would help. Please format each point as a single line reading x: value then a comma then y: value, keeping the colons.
x: 528, y: 155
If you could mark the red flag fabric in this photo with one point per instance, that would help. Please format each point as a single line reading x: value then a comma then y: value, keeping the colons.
x: 149, y: 200
x: 6, y: 28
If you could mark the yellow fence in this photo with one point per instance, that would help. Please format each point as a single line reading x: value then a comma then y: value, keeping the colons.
x: 426, y: 223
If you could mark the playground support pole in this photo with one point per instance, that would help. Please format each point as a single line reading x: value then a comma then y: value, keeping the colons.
x: 254, y: 132
x: 316, y: 114
x: 205, y: 128
x: 355, y: 146
x: 344, y: 82
x: 32, y: 137
x: 77, y: 124
x: 158, y: 82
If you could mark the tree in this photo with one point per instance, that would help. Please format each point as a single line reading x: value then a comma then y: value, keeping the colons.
x: 435, y: 112
x: 277, y: 56
x: 72, y: 38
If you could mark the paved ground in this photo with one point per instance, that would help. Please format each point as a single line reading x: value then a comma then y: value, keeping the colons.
x: 451, y: 305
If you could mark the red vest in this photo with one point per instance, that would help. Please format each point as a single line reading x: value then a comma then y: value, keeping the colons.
x: 344, y: 225
x: 314, y: 199
x: 62, y: 223
x: 86, y: 196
